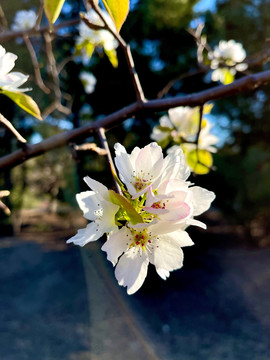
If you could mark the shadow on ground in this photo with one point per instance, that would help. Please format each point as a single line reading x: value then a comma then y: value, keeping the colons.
x: 60, y: 302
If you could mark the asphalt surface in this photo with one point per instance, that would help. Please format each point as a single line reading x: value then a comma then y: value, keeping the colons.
x: 63, y: 303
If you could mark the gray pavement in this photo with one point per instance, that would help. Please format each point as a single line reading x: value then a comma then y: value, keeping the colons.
x: 63, y: 303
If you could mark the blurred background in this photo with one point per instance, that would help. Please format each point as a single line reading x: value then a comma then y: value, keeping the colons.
x: 61, y: 302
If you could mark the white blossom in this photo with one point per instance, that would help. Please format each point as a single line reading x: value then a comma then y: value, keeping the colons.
x: 88, y: 80
x: 24, y: 20
x: 138, y: 246
x: 10, y: 81
x: 148, y: 224
x: 226, y: 58
x: 97, y: 208
x: 95, y: 38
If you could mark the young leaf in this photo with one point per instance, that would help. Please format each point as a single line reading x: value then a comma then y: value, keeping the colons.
x: 200, y: 161
x: 121, y: 201
x: 228, y: 77
x: 112, y: 56
x: 25, y: 102
x: 118, y: 11
x: 52, y: 9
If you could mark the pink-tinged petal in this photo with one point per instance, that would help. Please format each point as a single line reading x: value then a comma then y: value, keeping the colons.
x: 96, y: 186
x: 117, y: 243
x: 164, y: 274
x: 166, y: 253
x: 84, y: 236
x: 156, y: 211
x: 201, y: 200
x: 131, y: 269
x: 88, y: 203
x: 178, y: 213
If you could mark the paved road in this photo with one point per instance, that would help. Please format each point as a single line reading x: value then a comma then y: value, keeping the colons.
x: 63, y: 303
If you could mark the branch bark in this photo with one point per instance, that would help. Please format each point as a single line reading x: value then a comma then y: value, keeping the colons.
x: 247, y: 83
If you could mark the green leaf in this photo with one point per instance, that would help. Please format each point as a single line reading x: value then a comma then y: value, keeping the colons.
x: 118, y: 11
x: 121, y: 201
x: 52, y: 9
x: 200, y: 161
x: 25, y: 102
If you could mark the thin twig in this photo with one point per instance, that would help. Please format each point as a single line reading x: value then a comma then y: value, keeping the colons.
x: 126, y: 49
x: 3, y: 19
x: 53, y: 71
x: 247, y: 83
x: 104, y: 144
x: 39, y: 14
x: 11, y: 128
x: 10, y: 35
x: 35, y: 63
x: 170, y: 84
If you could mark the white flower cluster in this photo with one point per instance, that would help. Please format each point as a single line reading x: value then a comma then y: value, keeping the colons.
x: 226, y: 58
x: 88, y: 80
x: 147, y: 223
x: 24, y: 20
x: 181, y: 128
x: 89, y: 38
x: 10, y: 81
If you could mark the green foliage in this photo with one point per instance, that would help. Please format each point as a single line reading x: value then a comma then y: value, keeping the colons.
x: 24, y: 101
x: 130, y: 213
x: 52, y: 9
x: 200, y: 161
x: 118, y: 11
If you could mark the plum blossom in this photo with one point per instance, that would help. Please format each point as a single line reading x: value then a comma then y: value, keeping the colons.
x: 89, y: 81
x: 98, y: 208
x: 24, y: 20
x: 10, y: 81
x: 147, y: 222
x: 226, y: 59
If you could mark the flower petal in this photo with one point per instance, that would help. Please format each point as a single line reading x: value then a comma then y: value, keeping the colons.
x: 84, y: 236
x: 131, y: 269
x: 117, y: 243
x: 88, y: 202
x: 166, y: 254
x: 202, y: 199
x: 97, y: 187
x: 164, y: 274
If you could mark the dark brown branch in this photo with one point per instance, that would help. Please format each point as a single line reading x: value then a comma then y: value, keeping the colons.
x: 247, y: 83
x: 10, y: 35
x: 11, y: 128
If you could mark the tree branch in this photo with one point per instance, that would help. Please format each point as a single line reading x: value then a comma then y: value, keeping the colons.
x: 10, y: 35
x: 247, y: 83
